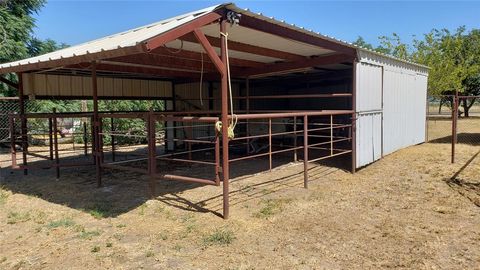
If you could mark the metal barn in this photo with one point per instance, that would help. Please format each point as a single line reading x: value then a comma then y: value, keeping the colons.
x: 236, y: 87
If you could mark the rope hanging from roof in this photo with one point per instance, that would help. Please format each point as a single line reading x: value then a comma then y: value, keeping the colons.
x: 234, y: 120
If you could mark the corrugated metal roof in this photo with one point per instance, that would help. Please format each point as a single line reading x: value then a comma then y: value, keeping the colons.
x: 131, y: 38
x: 316, y: 34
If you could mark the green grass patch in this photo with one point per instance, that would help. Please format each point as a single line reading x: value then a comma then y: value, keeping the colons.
x: 219, y: 237
x: 3, y: 196
x: 64, y: 222
x: 100, y: 210
x: 95, y: 249
x: 88, y: 235
x: 149, y: 254
x: 271, y: 207
x: 18, y: 217
x: 142, y: 209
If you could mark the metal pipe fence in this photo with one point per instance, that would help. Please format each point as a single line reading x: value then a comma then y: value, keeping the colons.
x: 300, y: 136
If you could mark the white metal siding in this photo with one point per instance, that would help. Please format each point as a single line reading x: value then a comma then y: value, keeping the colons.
x: 369, y: 87
x: 401, y: 116
x: 369, y: 113
x: 369, y: 138
x: 404, y: 98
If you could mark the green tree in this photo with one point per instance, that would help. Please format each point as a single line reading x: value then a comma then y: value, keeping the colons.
x: 16, y: 25
x: 37, y: 46
x: 454, y: 58
x: 360, y: 42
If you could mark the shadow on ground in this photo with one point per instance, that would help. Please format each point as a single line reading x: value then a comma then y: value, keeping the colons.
x: 463, y: 138
x: 124, y: 191
x: 467, y: 186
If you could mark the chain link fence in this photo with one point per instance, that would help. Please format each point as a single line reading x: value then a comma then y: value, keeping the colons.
x: 439, y: 119
x: 11, y: 106
x: 468, y: 121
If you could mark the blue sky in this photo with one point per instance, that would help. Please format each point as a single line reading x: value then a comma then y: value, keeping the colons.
x: 73, y: 22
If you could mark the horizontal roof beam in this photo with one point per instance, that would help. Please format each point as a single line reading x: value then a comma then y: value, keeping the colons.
x: 167, y: 61
x: 164, y: 72
x: 197, y: 56
x: 293, y: 66
x: 278, y: 30
x: 247, y: 48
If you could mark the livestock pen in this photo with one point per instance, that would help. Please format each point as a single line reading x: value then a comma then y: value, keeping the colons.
x: 234, y: 85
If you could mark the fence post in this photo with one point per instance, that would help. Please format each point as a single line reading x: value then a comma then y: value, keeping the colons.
x: 94, y: 141
x: 331, y: 134
x: 305, y: 151
x: 270, y: 143
x: 152, y: 151
x: 295, y: 159
x: 217, y: 158
x: 454, y: 124
x: 50, y: 137
x: 85, y: 138
x: 112, y: 138
x: 13, y: 150
x: 55, y: 143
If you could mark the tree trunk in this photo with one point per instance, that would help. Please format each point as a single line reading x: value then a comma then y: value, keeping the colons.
x: 467, y: 106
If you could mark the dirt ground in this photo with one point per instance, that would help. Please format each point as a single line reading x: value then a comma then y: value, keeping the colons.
x: 410, y: 210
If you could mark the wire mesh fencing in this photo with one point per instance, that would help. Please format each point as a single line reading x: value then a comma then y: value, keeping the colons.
x: 454, y: 119
x: 439, y: 118
x: 468, y: 120
x: 12, y: 106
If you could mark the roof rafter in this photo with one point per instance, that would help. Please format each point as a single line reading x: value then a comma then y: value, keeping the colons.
x: 177, y: 32
x: 247, y: 48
